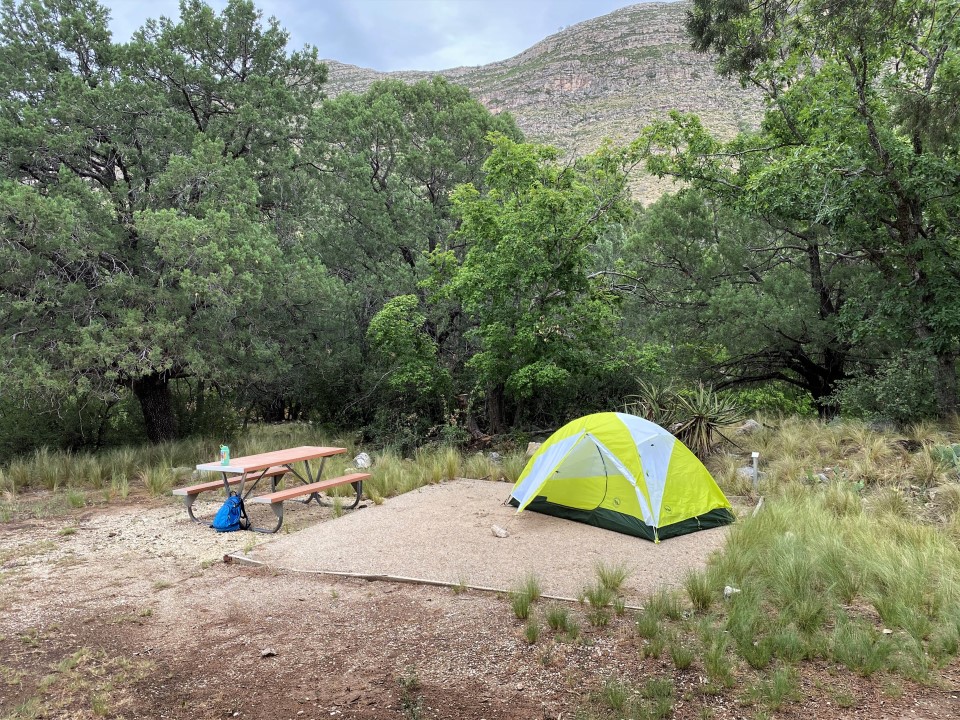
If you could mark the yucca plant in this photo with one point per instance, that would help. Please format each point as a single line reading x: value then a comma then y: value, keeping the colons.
x: 694, y: 416
x: 704, y: 412
x: 656, y: 403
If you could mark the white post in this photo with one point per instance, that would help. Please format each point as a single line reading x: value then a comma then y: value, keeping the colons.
x: 756, y: 473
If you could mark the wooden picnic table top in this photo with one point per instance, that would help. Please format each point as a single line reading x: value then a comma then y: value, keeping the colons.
x: 253, y: 463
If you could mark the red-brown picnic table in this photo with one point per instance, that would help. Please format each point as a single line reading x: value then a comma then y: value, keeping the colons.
x: 274, y: 465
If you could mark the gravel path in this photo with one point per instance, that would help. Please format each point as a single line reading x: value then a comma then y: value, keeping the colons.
x: 443, y: 533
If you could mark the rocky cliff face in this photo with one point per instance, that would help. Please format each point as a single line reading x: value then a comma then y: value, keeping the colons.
x: 605, y: 77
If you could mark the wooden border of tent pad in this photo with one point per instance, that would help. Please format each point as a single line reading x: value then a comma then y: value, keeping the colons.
x: 243, y: 560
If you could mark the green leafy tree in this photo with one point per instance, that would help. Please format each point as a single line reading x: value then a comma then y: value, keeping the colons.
x: 525, y: 283
x: 765, y: 304
x: 153, y: 200
x: 857, y: 152
x: 389, y: 159
x: 413, y: 374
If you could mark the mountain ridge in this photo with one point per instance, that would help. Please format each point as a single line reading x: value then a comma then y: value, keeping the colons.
x: 606, y: 77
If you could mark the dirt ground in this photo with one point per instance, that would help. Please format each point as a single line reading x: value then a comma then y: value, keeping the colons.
x: 130, y: 611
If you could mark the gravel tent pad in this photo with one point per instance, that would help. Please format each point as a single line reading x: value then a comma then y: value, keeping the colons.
x: 442, y: 533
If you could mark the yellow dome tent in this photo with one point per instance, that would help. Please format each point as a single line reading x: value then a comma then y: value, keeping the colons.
x: 623, y: 473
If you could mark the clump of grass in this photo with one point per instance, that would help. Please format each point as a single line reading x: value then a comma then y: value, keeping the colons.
x: 745, y: 621
x: 681, y: 654
x: 67, y: 531
x: 924, y: 433
x: 409, y: 681
x: 29, y: 708
x: 99, y: 705
x: 925, y: 470
x: 598, y: 617
x: 75, y: 498
x: 891, y: 500
x: 394, y: 475
x: 647, y: 624
x: 699, y: 591
x: 572, y: 632
x: 7, y: 484
x: 611, y: 577
x: 531, y: 631
x: 430, y: 466
x: 18, y: 474
x: 653, y: 648
x: 619, y: 606
x: 665, y: 603
x: 946, y: 500
x: 812, y: 565
x: 598, y: 596
x: 616, y: 694
x: 120, y: 485
x: 337, y: 509
x: 558, y: 618
x: 842, y: 500
x: 521, y: 605
x: 758, y: 654
x: 524, y: 595
x: 780, y: 688
x: 512, y: 466
x: 657, y: 688
x: 411, y: 702
x: 788, y: 645
x: 531, y: 586
x: 844, y: 699
x: 390, y: 475
x: 715, y: 659
x: 480, y: 467
x: 158, y: 481
x: 451, y: 460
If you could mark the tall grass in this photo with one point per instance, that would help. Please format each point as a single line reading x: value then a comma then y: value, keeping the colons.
x: 156, y: 469
x: 394, y: 475
x: 803, y: 567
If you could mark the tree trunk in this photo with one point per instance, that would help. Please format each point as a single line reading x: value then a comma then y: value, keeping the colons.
x: 274, y: 411
x: 156, y: 403
x: 495, y: 410
x: 104, y: 421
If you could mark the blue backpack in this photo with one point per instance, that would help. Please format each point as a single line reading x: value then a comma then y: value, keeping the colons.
x: 231, y: 515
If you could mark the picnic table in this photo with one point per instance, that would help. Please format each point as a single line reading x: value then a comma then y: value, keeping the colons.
x: 275, y: 466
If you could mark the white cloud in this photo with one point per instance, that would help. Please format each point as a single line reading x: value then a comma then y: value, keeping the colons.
x: 400, y: 34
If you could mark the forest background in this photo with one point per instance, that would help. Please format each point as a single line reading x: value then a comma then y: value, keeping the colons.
x: 193, y: 237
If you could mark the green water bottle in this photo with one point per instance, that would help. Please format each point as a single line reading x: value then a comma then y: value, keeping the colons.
x: 224, y: 455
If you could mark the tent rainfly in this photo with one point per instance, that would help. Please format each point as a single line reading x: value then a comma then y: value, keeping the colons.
x: 623, y: 473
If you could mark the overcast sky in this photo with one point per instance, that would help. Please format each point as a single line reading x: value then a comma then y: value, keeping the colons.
x: 399, y: 34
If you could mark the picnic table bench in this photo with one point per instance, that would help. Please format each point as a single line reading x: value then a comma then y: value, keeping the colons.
x: 275, y: 466
x: 277, y: 498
